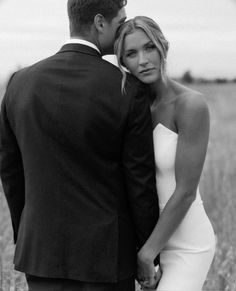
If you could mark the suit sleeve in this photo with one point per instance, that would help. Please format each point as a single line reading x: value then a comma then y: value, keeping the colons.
x: 139, y: 167
x: 11, y: 167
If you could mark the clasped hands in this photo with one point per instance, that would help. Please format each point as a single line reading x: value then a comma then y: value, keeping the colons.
x: 147, y: 276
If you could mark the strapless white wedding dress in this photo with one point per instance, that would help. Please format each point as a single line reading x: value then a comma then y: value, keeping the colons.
x: 188, y: 254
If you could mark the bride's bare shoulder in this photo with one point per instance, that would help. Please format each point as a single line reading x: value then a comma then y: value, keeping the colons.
x: 191, y: 105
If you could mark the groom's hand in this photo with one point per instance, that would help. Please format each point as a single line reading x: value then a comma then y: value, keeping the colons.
x: 146, y: 287
x: 146, y: 273
x: 149, y: 286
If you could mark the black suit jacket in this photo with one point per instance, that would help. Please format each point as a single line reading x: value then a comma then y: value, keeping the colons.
x: 77, y: 167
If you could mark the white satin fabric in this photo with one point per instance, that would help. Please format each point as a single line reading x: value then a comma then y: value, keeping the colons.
x: 188, y: 254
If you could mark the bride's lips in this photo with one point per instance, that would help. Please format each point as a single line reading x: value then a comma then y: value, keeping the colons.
x: 145, y: 71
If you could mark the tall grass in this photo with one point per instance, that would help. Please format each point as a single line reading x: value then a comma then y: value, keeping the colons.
x: 10, y: 280
x: 218, y: 186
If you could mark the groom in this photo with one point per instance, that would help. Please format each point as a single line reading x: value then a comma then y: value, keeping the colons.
x: 76, y: 161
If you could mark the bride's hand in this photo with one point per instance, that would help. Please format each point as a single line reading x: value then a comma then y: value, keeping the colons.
x: 146, y: 287
x: 146, y: 273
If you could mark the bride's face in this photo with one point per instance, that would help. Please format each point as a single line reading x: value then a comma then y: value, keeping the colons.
x: 141, y: 57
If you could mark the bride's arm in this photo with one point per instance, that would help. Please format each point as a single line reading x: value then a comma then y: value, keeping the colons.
x: 192, y: 120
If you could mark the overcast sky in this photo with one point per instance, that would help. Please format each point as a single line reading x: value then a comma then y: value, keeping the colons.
x: 202, y: 33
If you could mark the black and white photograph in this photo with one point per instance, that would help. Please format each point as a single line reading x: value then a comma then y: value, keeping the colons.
x: 117, y: 145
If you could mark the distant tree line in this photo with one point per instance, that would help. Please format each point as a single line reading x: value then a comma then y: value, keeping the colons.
x: 187, y: 77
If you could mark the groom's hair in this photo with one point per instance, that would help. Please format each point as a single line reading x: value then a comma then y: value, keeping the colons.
x: 82, y: 12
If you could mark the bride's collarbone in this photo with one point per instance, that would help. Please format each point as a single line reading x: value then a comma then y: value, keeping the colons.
x: 164, y: 115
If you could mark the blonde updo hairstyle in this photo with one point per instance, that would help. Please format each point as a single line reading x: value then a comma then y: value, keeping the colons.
x: 153, y: 31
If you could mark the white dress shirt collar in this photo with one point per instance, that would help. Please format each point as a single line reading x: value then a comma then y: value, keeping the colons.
x: 82, y: 41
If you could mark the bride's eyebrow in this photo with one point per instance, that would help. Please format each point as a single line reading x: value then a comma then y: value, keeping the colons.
x: 129, y: 50
x: 149, y: 42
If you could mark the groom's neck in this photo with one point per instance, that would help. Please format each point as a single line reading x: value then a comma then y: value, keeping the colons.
x: 89, y: 36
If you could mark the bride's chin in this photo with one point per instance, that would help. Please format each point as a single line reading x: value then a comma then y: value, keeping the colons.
x: 148, y: 80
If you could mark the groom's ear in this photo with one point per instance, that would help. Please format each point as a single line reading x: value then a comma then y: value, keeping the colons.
x: 99, y: 22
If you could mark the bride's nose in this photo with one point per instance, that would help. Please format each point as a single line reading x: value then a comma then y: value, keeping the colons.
x: 143, y: 60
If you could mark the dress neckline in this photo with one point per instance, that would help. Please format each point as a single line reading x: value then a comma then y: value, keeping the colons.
x: 165, y: 127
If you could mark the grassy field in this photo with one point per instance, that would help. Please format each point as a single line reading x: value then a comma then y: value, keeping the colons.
x: 218, y: 188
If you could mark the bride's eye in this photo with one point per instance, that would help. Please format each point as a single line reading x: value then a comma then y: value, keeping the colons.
x: 150, y: 47
x: 130, y: 54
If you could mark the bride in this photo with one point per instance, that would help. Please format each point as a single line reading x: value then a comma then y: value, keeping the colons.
x: 183, y: 236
